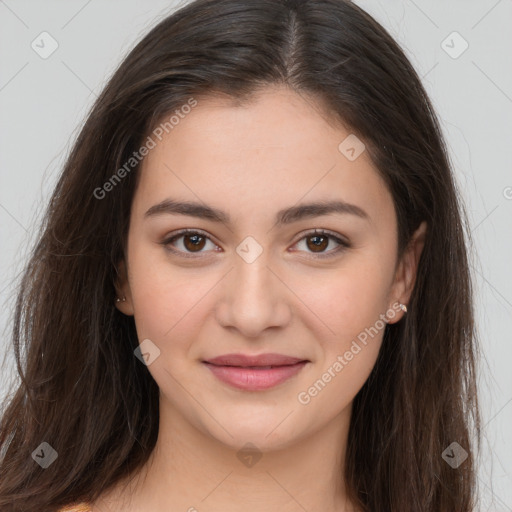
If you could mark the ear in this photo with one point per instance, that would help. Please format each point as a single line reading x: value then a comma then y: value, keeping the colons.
x: 122, y: 286
x: 405, y: 275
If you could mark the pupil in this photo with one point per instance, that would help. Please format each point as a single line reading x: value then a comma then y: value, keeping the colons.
x: 317, y: 244
x: 196, y: 241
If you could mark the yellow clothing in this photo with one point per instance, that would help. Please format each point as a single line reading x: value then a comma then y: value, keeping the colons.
x: 80, y: 507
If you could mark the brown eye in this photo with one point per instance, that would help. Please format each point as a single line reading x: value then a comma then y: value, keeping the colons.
x: 187, y: 243
x: 318, y: 242
x: 193, y: 242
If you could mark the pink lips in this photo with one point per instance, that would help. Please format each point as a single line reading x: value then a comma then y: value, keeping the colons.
x: 254, y: 373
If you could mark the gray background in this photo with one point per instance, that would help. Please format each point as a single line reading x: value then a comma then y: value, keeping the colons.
x: 43, y: 103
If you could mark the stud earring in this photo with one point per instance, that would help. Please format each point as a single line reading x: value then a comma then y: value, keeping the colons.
x: 121, y: 300
x: 403, y: 307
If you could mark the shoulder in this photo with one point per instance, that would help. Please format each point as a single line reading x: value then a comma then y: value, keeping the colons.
x: 80, y: 507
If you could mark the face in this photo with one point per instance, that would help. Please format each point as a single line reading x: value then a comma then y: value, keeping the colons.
x: 259, y: 280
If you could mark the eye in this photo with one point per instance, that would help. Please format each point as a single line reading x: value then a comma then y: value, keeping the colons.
x: 318, y: 240
x: 193, y: 242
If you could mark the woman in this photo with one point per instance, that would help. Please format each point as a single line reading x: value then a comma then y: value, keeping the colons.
x: 252, y: 287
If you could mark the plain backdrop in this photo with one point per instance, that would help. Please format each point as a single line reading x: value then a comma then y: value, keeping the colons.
x: 462, y: 49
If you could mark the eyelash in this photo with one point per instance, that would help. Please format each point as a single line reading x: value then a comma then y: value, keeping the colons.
x: 343, y: 245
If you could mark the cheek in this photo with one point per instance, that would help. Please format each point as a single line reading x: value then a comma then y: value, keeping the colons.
x: 345, y: 301
x: 350, y: 305
x: 163, y: 297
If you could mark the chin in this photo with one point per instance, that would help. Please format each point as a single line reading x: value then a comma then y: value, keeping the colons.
x: 263, y: 435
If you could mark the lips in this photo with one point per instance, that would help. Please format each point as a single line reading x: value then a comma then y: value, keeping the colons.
x: 254, y: 373
x: 261, y: 360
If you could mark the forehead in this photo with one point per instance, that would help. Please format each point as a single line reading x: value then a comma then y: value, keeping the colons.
x: 271, y: 151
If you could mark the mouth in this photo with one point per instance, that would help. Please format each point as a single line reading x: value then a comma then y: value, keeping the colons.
x: 254, y: 373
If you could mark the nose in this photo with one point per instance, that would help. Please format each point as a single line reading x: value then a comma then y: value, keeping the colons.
x: 253, y: 299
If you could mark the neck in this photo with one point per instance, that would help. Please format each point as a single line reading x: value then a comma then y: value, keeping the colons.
x: 191, y: 470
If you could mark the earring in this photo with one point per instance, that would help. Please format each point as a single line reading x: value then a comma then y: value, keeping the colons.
x: 119, y: 300
x: 403, y: 307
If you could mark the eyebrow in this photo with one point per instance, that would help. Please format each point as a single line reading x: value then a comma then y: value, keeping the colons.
x: 284, y: 216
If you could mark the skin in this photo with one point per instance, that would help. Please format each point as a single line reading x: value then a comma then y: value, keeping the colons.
x: 251, y: 161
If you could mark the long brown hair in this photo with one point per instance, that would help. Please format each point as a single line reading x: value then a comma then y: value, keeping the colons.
x: 81, y: 390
